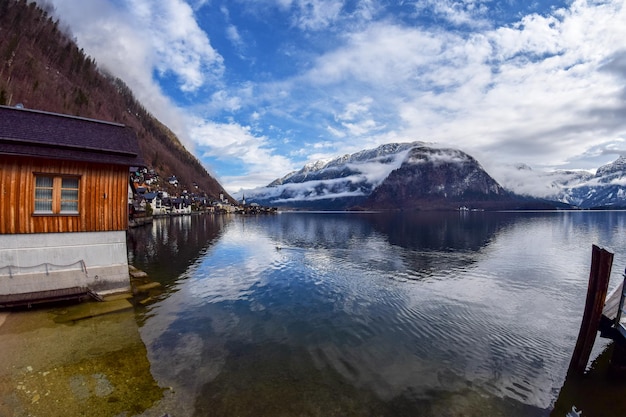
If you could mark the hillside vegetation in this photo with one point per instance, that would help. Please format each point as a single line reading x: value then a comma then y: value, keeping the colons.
x: 42, y: 68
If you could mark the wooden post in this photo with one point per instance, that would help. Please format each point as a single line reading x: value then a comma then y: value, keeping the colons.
x: 601, y: 263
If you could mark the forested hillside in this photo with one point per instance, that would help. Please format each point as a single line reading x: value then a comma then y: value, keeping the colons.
x: 42, y: 68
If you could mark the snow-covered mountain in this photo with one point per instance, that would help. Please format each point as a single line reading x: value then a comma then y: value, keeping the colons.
x: 396, y: 175
x: 604, y: 189
x: 334, y: 184
x: 433, y: 178
x: 607, y: 188
x: 367, y: 167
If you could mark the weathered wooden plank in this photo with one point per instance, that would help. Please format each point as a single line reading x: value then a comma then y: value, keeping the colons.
x: 601, y: 263
x: 611, y: 305
x: 18, y: 197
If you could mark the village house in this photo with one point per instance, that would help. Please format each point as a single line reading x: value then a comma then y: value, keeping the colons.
x: 157, y: 205
x: 63, y: 202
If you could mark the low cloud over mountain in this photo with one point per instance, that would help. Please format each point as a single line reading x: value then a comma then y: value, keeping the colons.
x: 393, y: 176
x: 605, y: 189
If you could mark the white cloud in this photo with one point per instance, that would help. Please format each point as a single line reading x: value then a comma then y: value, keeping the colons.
x: 320, y: 145
x: 336, y: 132
x: 233, y: 34
x: 353, y: 110
x: 535, y: 91
x: 135, y: 39
x: 198, y: 4
x: 526, y: 91
x: 311, y: 14
x: 308, y: 191
x: 317, y: 14
x: 370, y: 173
x: 459, y: 13
x: 547, y: 90
x: 180, y: 46
x: 376, y: 172
x: 361, y: 128
x: 382, y: 55
x: 233, y: 142
x: 223, y: 100
x: 356, y: 120
x: 124, y: 47
x: 526, y: 181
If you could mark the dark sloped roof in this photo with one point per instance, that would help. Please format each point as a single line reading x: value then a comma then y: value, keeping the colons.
x: 50, y: 135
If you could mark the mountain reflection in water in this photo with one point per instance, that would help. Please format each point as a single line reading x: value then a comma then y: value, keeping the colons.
x: 427, y: 314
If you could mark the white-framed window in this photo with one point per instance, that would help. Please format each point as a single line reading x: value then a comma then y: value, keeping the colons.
x: 56, y: 194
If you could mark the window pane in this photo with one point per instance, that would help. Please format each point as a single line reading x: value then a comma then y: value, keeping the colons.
x: 70, y: 183
x: 44, y: 182
x: 69, y: 195
x: 69, y: 206
x: 43, y: 194
x: 43, y: 206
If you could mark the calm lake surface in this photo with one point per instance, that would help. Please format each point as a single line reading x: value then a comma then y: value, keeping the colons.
x: 365, y: 314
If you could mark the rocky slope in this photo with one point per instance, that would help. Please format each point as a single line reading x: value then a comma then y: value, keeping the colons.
x: 432, y: 178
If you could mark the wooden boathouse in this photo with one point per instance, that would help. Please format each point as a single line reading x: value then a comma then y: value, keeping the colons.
x: 63, y: 204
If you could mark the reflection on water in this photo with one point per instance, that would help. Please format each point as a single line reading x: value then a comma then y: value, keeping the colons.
x: 332, y: 314
x: 166, y: 248
x: 593, y: 394
x: 323, y: 314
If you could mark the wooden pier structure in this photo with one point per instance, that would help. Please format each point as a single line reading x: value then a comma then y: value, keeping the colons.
x: 602, y: 313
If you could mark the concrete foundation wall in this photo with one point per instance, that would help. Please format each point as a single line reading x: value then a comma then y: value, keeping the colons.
x: 45, y: 261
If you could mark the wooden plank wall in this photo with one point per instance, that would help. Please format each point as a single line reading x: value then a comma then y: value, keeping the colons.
x: 103, y: 196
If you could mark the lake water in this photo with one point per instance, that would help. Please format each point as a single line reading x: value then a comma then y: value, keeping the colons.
x: 365, y: 314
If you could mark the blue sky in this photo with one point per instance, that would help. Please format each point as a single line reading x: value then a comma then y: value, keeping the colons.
x: 257, y: 88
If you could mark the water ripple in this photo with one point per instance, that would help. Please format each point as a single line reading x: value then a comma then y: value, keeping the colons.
x: 401, y: 310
